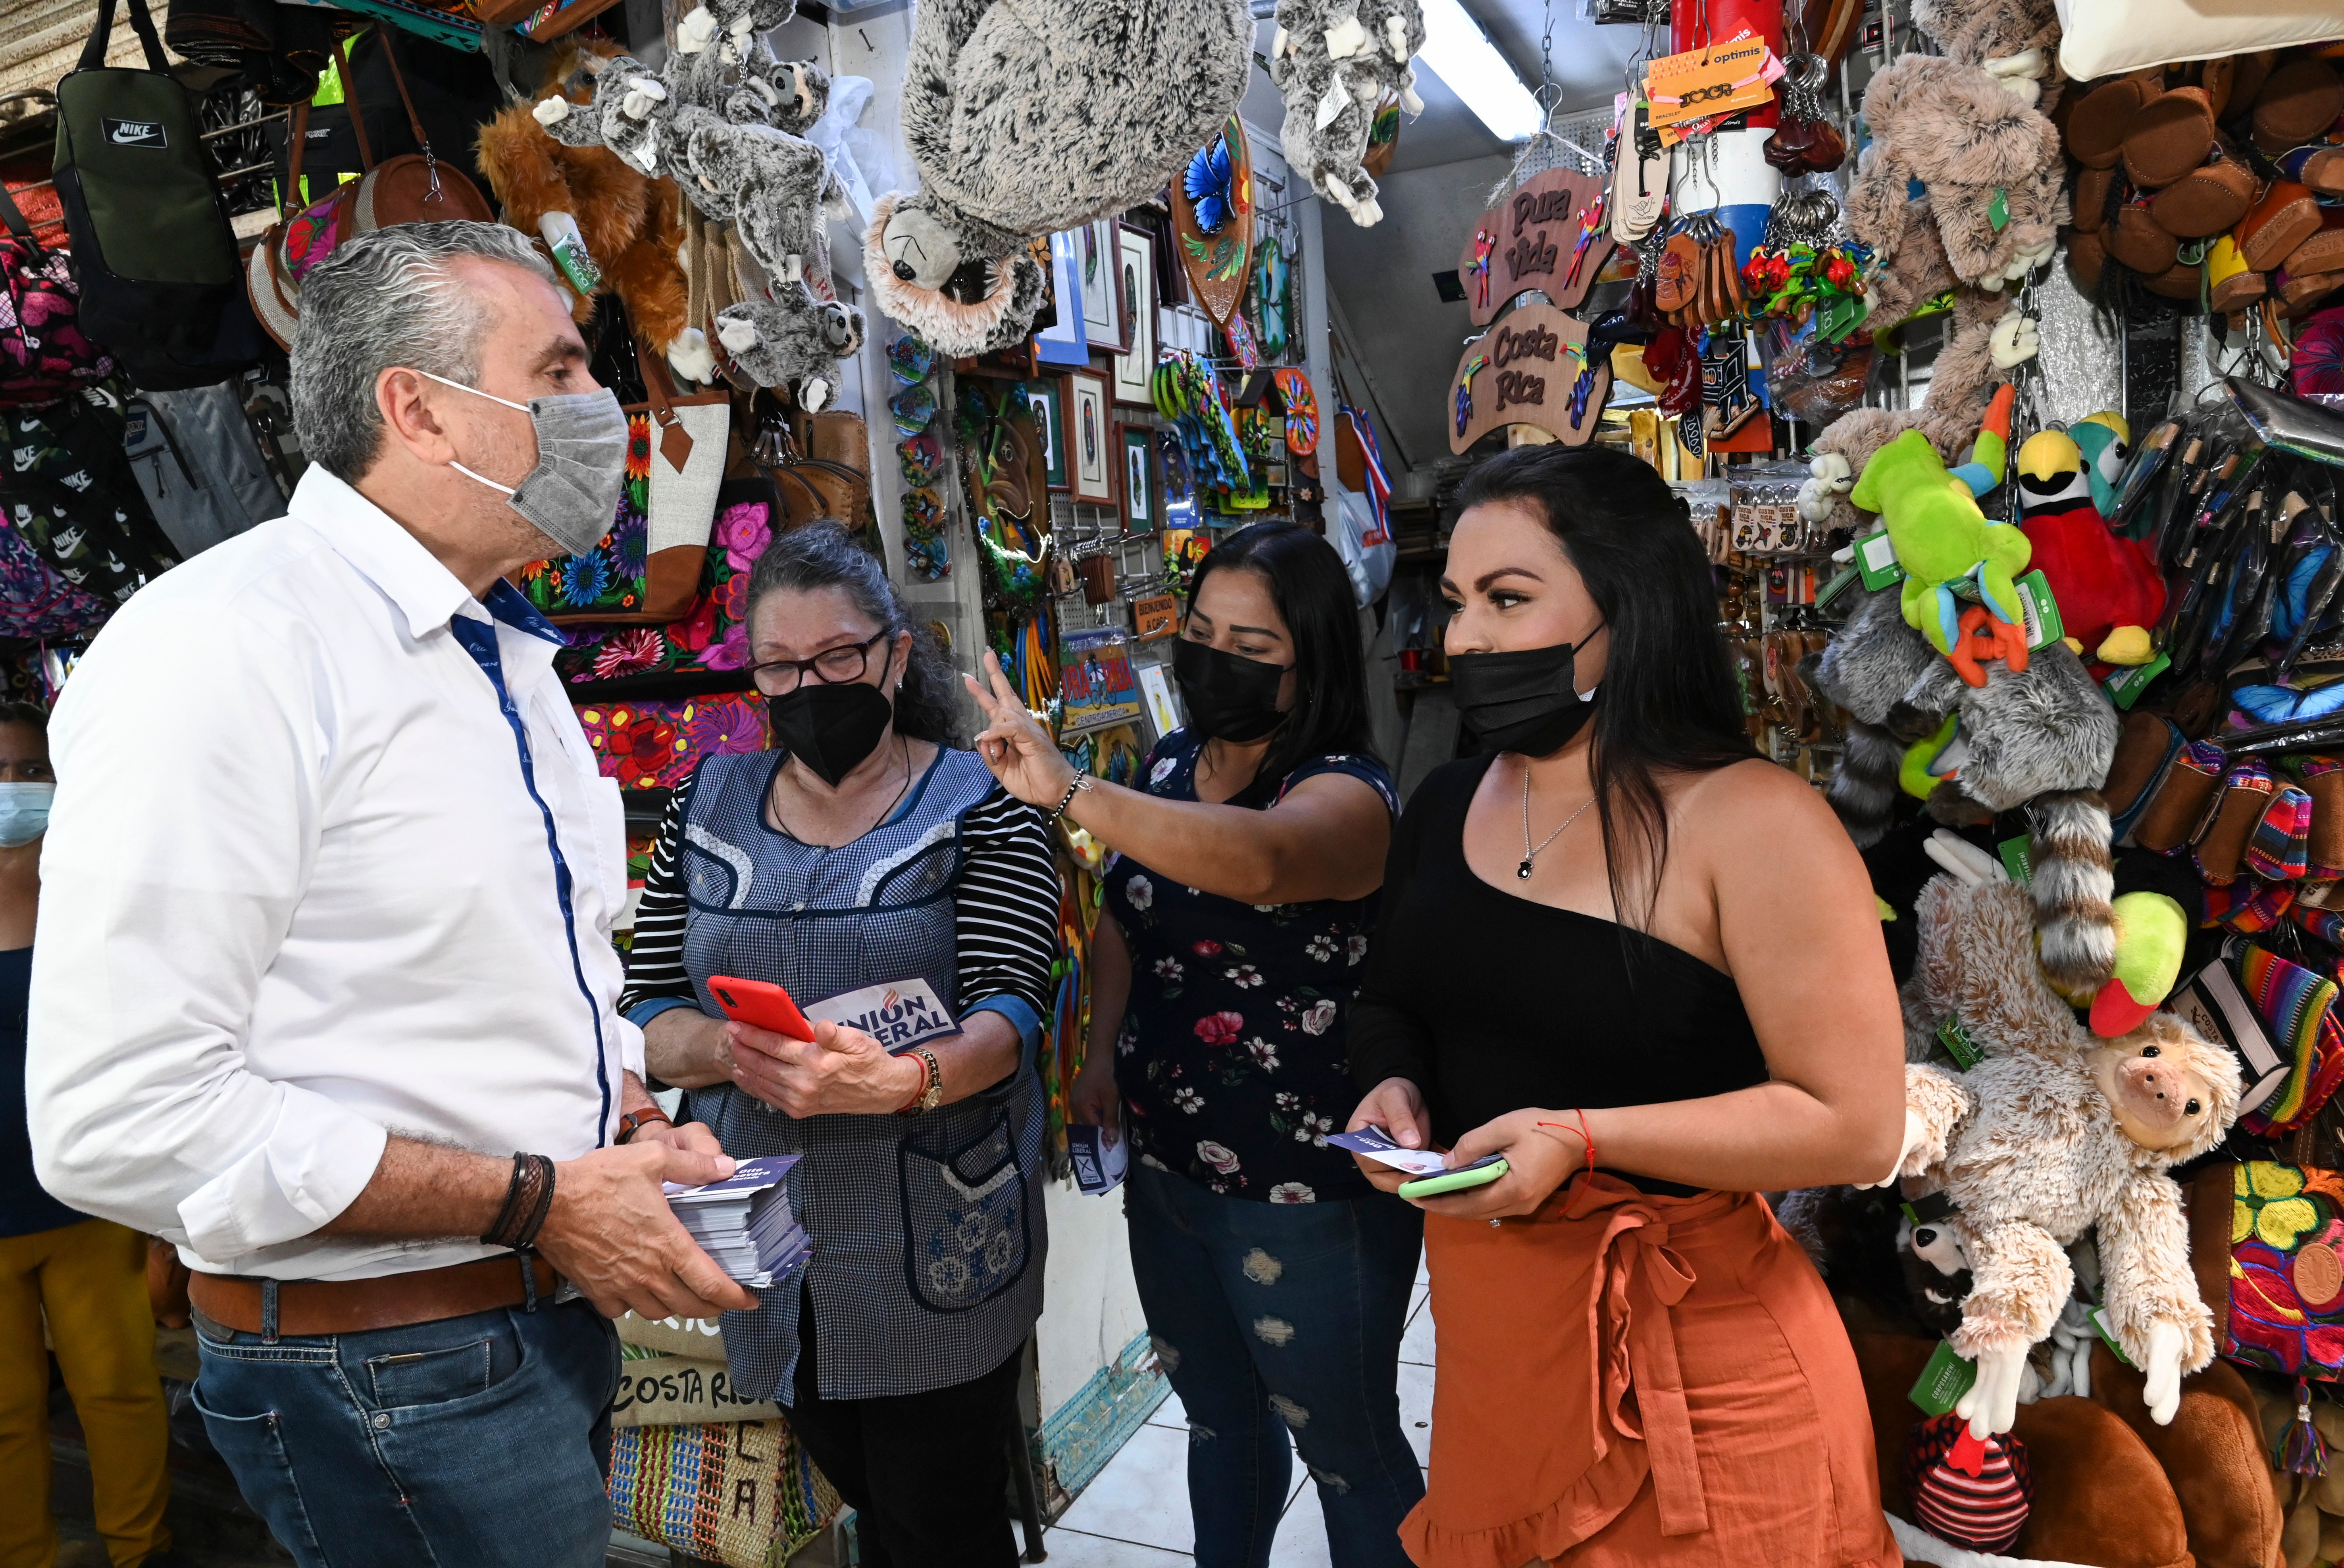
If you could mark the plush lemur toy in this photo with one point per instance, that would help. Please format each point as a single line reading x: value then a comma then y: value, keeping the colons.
x: 2040, y: 738
x: 722, y: 122
x: 1022, y: 122
x: 728, y: 66
x: 630, y: 223
x: 1336, y: 61
x: 2054, y: 1132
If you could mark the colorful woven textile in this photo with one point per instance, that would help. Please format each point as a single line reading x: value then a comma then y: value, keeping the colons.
x: 656, y: 745
x: 2287, y: 1269
x: 2298, y: 1005
x: 2249, y: 904
x: 726, y: 1492
x: 2280, y: 847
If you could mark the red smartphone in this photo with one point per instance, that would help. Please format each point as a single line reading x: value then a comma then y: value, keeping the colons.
x: 759, y: 1002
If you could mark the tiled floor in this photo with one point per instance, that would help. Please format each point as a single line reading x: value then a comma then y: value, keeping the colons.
x: 1135, y: 1513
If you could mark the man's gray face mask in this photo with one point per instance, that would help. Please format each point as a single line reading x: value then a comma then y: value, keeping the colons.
x: 571, y: 497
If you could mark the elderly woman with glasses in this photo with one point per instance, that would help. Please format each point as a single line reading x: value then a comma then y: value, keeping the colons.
x: 867, y: 853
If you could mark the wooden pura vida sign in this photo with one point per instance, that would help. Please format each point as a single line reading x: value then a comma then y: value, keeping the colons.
x: 1529, y: 369
x: 1551, y: 235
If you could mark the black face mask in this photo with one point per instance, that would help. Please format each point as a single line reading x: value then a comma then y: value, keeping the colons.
x: 1228, y: 697
x: 1524, y: 701
x: 830, y: 728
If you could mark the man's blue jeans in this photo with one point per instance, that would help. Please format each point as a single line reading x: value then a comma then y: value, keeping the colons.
x: 1270, y: 1317
x: 479, y: 1442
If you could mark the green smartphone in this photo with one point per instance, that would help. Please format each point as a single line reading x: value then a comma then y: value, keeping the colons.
x: 1480, y: 1173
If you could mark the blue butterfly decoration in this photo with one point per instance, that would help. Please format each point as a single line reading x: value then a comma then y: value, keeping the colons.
x: 1207, y: 183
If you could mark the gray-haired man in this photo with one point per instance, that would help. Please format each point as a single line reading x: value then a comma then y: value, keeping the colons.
x: 324, y: 991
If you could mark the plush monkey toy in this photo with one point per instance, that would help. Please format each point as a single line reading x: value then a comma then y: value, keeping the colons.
x: 2056, y: 1131
x: 630, y: 223
x: 1022, y: 123
x: 1336, y: 61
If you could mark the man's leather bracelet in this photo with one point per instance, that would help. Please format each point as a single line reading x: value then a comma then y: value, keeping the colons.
x: 526, y: 1202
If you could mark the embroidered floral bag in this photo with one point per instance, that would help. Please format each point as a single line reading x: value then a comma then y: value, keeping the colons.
x: 647, y: 570
x: 2287, y: 1269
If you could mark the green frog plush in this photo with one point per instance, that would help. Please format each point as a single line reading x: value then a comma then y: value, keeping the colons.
x: 1940, y: 536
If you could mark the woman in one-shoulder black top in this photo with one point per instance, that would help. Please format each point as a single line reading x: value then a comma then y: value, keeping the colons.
x: 1645, y: 967
x: 1490, y: 1002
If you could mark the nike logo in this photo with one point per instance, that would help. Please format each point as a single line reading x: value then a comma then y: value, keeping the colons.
x: 136, y: 133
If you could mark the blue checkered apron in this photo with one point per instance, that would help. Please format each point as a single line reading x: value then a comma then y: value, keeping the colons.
x: 927, y: 1230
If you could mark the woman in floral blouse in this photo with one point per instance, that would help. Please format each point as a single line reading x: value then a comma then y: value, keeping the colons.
x: 1274, y: 1278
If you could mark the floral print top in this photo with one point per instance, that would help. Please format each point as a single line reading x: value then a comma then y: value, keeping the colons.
x: 1231, y: 1056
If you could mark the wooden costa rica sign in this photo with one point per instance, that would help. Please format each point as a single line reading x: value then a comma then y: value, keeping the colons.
x: 1551, y: 235
x: 1529, y: 369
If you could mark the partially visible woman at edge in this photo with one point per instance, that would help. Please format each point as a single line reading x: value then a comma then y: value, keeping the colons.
x: 1275, y: 1279
x: 868, y: 850
x: 1645, y: 966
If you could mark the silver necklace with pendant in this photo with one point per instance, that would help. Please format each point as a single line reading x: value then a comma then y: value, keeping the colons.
x: 1529, y: 854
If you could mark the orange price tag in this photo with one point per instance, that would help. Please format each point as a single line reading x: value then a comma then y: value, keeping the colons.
x: 1717, y: 79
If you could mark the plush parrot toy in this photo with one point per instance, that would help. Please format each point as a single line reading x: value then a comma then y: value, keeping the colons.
x: 2108, y: 589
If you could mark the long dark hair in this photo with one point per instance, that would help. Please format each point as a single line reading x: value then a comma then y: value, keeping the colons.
x: 822, y: 553
x: 1313, y: 595
x: 1669, y: 702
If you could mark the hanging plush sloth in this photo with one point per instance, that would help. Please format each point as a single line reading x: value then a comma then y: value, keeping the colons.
x: 1022, y: 122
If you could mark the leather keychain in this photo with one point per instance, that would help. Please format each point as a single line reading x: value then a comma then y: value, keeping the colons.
x: 1680, y: 274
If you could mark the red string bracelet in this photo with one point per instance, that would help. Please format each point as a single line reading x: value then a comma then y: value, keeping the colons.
x: 1584, y: 1136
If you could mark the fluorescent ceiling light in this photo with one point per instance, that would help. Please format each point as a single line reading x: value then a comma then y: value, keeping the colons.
x: 1463, y: 56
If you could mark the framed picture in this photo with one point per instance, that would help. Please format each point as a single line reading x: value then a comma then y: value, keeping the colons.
x: 1050, y: 425
x: 1143, y: 494
x: 1106, y: 318
x: 1087, y: 435
x: 1134, y: 369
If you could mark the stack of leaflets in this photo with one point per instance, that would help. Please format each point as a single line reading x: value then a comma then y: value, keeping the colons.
x: 744, y: 1221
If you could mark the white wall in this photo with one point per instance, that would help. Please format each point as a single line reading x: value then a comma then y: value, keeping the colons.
x: 1090, y: 1308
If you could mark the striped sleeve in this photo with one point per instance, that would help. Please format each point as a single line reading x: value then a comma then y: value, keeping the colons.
x: 655, y: 960
x: 1005, y: 905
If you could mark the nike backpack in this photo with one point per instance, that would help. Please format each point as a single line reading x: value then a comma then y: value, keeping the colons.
x: 161, y: 284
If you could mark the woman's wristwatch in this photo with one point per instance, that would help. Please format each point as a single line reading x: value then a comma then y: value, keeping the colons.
x: 932, y: 1089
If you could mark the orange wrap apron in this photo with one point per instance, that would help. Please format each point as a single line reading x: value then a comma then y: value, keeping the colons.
x: 1627, y: 1379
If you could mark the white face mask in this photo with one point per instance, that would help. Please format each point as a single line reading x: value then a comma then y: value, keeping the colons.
x: 23, y: 813
x: 571, y: 497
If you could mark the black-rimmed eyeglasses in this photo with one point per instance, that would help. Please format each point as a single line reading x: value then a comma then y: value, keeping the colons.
x: 831, y: 667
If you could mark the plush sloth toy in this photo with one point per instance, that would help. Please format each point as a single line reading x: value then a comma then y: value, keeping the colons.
x: 2056, y: 1131
x: 1021, y: 124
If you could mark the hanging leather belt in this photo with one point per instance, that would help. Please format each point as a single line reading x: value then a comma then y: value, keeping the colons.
x: 272, y: 1308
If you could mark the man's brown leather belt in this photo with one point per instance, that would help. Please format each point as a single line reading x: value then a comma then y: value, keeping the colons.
x: 355, y: 1306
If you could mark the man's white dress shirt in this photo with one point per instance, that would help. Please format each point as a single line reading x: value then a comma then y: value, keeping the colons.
x: 303, y: 886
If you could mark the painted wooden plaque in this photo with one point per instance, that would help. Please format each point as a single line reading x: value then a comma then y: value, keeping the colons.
x: 1213, y: 227
x: 1551, y: 236
x: 1529, y: 369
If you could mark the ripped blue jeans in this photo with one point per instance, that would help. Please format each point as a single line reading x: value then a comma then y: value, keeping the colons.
x: 1272, y: 1319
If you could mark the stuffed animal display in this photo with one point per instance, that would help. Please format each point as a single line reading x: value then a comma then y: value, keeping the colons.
x: 629, y: 223
x: 720, y: 121
x: 2054, y: 1132
x: 1021, y: 124
x: 1338, y: 63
